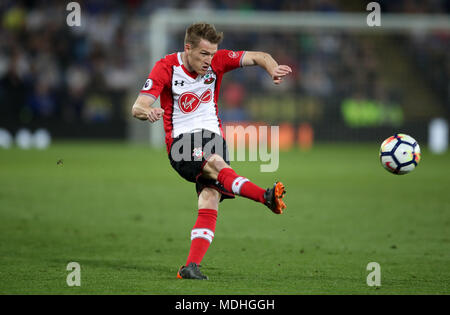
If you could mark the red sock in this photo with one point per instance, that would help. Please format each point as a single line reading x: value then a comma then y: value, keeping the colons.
x: 202, y: 235
x: 240, y: 185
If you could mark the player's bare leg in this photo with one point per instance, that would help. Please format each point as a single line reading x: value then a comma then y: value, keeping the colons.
x: 216, y: 168
x: 209, y: 198
x: 202, y: 233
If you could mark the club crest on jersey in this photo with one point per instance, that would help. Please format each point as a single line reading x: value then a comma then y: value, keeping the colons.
x: 189, y: 102
x: 233, y: 54
x: 209, y: 78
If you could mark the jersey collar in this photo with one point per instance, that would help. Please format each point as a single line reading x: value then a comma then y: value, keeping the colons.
x: 192, y: 74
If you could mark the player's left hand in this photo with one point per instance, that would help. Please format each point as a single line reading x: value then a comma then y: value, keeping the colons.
x: 279, y: 72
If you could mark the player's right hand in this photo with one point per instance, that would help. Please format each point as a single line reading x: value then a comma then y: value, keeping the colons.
x: 279, y: 72
x: 155, y: 114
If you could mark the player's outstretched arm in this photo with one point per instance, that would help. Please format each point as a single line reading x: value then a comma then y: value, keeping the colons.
x: 143, y: 110
x: 266, y: 61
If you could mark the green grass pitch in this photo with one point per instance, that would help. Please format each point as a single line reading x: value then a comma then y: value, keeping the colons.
x: 125, y: 216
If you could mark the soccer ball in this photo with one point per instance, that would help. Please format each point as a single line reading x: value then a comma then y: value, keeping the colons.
x: 400, y: 154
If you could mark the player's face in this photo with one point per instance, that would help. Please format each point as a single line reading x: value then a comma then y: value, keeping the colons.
x: 199, y: 57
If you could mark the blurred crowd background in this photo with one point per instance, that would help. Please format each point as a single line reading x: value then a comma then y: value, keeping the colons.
x: 85, y: 79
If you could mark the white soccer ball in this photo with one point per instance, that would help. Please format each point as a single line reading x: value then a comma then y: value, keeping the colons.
x: 400, y: 154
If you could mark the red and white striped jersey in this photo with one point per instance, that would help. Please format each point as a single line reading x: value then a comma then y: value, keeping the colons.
x: 189, y: 100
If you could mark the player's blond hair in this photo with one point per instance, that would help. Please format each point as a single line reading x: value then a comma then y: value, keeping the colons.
x: 198, y: 31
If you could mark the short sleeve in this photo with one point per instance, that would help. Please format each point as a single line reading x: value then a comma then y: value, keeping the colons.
x: 227, y: 60
x: 157, y: 79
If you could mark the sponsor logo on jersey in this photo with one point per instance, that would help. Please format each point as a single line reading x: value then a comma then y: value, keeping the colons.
x: 189, y: 102
x: 176, y: 82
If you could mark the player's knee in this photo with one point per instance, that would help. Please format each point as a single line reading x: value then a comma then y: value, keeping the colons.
x: 209, y: 198
x: 216, y: 163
